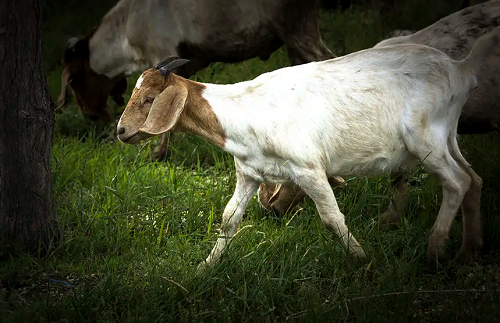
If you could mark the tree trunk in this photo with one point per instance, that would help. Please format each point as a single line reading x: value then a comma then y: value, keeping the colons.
x: 26, y: 125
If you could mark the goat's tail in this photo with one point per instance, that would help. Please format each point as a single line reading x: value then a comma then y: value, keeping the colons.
x: 481, y: 49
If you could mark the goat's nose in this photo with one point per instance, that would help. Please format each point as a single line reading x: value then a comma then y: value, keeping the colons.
x: 121, y: 130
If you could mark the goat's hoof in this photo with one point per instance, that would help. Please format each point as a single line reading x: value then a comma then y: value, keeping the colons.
x: 469, y: 249
x: 203, y: 267
x: 160, y: 155
x: 388, y: 219
x: 435, y: 253
x: 357, y: 260
x: 437, y: 243
x: 357, y: 252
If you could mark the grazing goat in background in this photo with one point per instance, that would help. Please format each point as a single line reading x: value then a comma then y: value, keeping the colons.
x: 371, y: 112
x: 454, y: 35
x: 135, y: 34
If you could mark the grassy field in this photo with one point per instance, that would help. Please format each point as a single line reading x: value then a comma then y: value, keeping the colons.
x: 133, y: 231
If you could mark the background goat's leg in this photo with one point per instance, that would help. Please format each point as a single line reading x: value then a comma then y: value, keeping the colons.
x: 472, y: 235
x: 302, y: 38
x: 399, y: 199
x: 233, y: 214
x: 306, y: 49
x: 161, y: 150
x: 318, y: 188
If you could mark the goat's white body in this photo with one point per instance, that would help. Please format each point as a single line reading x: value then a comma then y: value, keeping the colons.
x: 346, y: 116
x: 371, y: 112
x: 375, y: 111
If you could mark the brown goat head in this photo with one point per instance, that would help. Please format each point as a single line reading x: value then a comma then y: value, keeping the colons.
x: 156, y: 103
x: 91, y: 89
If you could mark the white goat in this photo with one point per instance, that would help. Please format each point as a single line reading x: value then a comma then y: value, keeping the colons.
x: 370, y: 112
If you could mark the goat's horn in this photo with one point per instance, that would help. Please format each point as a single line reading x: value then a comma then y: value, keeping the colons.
x: 65, y: 79
x: 172, y: 65
x: 166, y: 61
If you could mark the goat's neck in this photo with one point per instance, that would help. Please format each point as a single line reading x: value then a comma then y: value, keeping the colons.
x: 111, y: 54
x: 198, y: 116
x: 220, y: 113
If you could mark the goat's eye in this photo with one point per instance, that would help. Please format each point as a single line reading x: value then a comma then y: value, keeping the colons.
x: 149, y: 100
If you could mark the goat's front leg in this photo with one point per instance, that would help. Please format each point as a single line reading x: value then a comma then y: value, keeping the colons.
x: 232, y: 216
x: 320, y: 191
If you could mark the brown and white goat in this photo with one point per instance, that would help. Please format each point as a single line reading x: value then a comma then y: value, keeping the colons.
x: 371, y: 112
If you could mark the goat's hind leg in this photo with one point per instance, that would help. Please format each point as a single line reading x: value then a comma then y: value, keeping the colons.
x: 320, y: 191
x: 472, y: 236
x: 433, y: 149
x: 455, y: 183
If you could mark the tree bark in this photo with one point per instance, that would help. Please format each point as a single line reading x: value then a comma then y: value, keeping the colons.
x: 26, y: 127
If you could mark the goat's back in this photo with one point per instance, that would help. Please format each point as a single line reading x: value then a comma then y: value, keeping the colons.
x: 352, y: 111
x: 214, y: 30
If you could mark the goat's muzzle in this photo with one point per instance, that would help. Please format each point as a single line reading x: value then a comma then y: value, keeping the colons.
x: 128, y: 138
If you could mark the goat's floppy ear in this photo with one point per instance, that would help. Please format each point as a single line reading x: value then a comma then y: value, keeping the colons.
x: 165, y: 110
x: 65, y: 79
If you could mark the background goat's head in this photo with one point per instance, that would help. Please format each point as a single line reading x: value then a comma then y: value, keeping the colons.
x: 91, y: 89
x: 156, y: 103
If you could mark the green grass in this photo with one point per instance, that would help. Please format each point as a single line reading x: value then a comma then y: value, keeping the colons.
x: 133, y: 231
